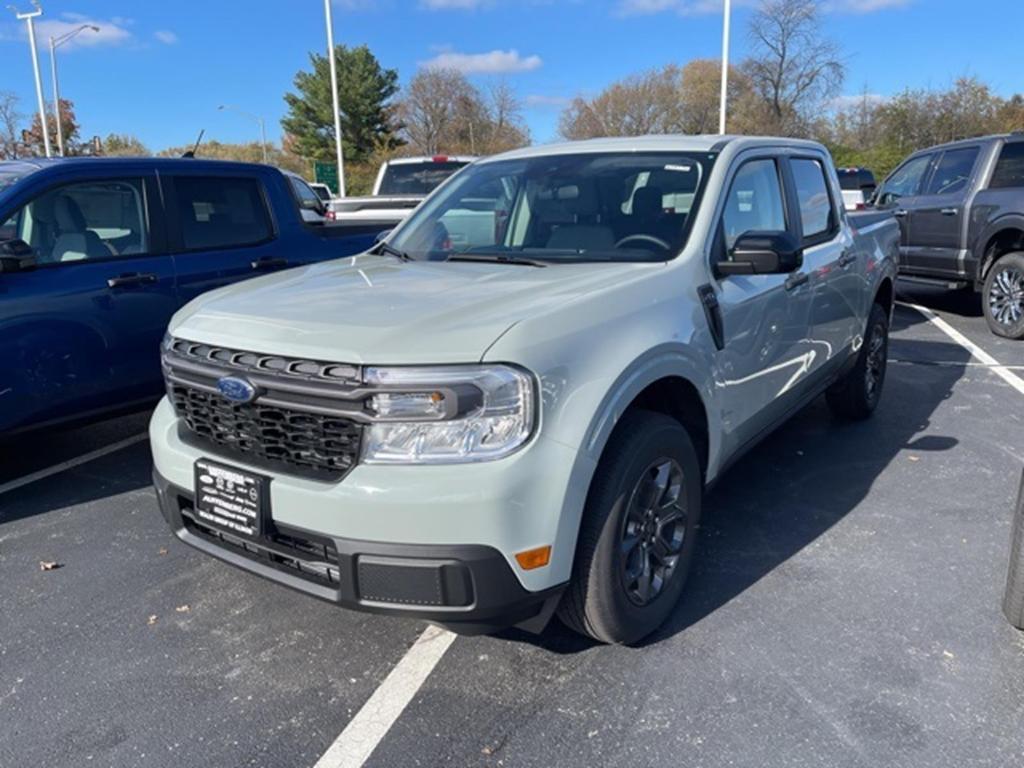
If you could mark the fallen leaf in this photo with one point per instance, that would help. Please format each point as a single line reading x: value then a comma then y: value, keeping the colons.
x: 914, y: 458
x: 162, y: 551
x: 49, y: 565
x: 152, y: 620
x: 182, y: 609
x: 487, y: 751
x: 948, y: 655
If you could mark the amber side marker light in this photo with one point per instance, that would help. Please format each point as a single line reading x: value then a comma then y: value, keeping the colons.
x: 534, y: 558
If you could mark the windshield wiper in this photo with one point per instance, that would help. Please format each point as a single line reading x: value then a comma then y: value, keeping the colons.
x: 496, y: 258
x: 384, y: 247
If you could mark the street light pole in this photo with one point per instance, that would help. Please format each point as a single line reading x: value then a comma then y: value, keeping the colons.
x: 54, y: 43
x: 334, y: 97
x: 29, y: 19
x: 724, y: 98
x: 251, y: 116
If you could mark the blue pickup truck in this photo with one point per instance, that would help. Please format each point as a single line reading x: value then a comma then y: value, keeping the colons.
x: 96, y: 254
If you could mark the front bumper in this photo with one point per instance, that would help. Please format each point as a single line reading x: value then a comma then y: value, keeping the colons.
x: 467, y: 588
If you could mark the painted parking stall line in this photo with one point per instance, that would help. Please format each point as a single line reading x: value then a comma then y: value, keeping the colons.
x: 78, y: 461
x: 1000, y: 370
x: 372, y: 722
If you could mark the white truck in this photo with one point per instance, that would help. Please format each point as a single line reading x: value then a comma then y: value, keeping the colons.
x: 482, y: 425
x: 401, y: 185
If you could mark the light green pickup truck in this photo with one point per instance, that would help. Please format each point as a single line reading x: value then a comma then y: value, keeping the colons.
x: 512, y: 405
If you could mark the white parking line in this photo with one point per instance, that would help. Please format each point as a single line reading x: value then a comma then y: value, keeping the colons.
x: 993, y: 365
x: 71, y: 463
x: 371, y: 723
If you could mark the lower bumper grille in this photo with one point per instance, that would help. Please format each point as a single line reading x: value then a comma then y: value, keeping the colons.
x: 325, y: 445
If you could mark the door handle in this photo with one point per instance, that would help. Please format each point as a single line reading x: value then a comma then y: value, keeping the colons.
x: 899, y: 213
x: 847, y: 258
x: 796, y: 280
x: 268, y: 262
x: 949, y: 211
x: 129, y: 279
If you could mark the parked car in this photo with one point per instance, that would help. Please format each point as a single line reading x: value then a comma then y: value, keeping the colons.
x: 401, y: 185
x: 97, y: 254
x: 858, y: 185
x: 322, y: 191
x: 481, y: 425
x: 961, y: 213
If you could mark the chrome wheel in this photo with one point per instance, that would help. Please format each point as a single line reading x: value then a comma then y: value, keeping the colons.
x: 653, y: 531
x: 874, y: 368
x: 1006, y: 296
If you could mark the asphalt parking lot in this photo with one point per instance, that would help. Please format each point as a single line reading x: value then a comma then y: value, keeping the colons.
x: 844, y: 611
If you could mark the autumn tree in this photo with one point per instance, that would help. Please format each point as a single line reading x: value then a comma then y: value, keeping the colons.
x: 10, y: 122
x: 794, y: 69
x: 365, y: 90
x: 441, y: 112
x: 123, y: 145
x: 69, y: 126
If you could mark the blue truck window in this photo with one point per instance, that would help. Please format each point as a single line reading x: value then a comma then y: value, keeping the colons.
x: 221, y: 212
x: 94, y: 220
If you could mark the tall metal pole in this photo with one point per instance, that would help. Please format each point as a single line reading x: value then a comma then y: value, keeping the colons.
x: 28, y: 18
x: 263, y: 139
x: 56, y: 98
x: 724, y: 98
x: 334, y: 97
x: 54, y: 43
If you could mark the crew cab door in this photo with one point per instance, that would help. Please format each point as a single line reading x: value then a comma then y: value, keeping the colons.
x: 899, y: 194
x: 762, y: 365
x: 220, y: 229
x: 936, y: 219
x: 829, y: 261
x: 80, y: 332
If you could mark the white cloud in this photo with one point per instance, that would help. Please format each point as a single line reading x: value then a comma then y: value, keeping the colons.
x: 165, y: 36
x: 113, y: 31
x: 491, y: 63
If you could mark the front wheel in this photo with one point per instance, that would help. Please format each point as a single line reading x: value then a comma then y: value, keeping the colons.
x: 638, y: 531
x: 1002, y: 296
x: 856, y: 395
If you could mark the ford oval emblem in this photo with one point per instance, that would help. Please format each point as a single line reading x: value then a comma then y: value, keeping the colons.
x: 236, y: 390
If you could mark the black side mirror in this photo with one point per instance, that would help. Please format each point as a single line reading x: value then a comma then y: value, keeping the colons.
x: 762, y: 253
x: 16, y: 256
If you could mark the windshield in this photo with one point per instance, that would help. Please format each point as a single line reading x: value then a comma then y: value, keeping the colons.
x: 417, y: 178
x: 626, y: 206
x: 8, y: 177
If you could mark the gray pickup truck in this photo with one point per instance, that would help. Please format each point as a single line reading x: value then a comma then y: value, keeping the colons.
x: 513, y: 404
x: 961, y: 213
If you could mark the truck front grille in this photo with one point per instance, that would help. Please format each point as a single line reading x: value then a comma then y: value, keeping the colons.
x: 298, y: 425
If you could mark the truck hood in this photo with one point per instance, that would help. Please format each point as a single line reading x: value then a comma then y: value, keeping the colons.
x: 379, y: 310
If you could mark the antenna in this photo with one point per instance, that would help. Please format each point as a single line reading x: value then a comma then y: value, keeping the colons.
x: 195, y: 147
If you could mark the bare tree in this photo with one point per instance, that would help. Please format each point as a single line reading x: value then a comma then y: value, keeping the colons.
x: 793, y: 67
x: 10, y: 122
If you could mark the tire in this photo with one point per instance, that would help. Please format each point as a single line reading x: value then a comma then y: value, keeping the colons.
x: 1002, y: 297
x: 648, y: 456
x: 1013, y: 601
x: 855, y: 396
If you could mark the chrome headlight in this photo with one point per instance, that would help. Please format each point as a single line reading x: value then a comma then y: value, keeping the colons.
x: 448, y: 414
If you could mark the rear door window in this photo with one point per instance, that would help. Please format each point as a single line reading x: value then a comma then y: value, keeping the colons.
x: 219, y: 212
x: 1009, y: 170
x: 953, y: 171
x: 85, y: 221
x: 816, y: 213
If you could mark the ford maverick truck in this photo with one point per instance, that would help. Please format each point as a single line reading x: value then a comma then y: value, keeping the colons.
x: 511, y: 406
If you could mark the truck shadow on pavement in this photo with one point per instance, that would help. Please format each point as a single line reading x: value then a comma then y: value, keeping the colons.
x: 800, y: 482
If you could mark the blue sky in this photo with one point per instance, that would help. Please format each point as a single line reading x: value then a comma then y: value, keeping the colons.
x: 159, y: 69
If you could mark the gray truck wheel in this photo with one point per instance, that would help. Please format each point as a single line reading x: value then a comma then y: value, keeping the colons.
x: 856, y: 395
x: 638, y: 531
x: 1013, y: 601
x: 1002, y: 297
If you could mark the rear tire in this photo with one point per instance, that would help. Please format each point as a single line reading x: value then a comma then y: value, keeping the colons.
x: 638, y: 531
x: 856, y: 395
x: 1002, y: 297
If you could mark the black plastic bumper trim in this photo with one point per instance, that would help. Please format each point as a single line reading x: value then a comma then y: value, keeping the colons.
x: 476, y: 591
